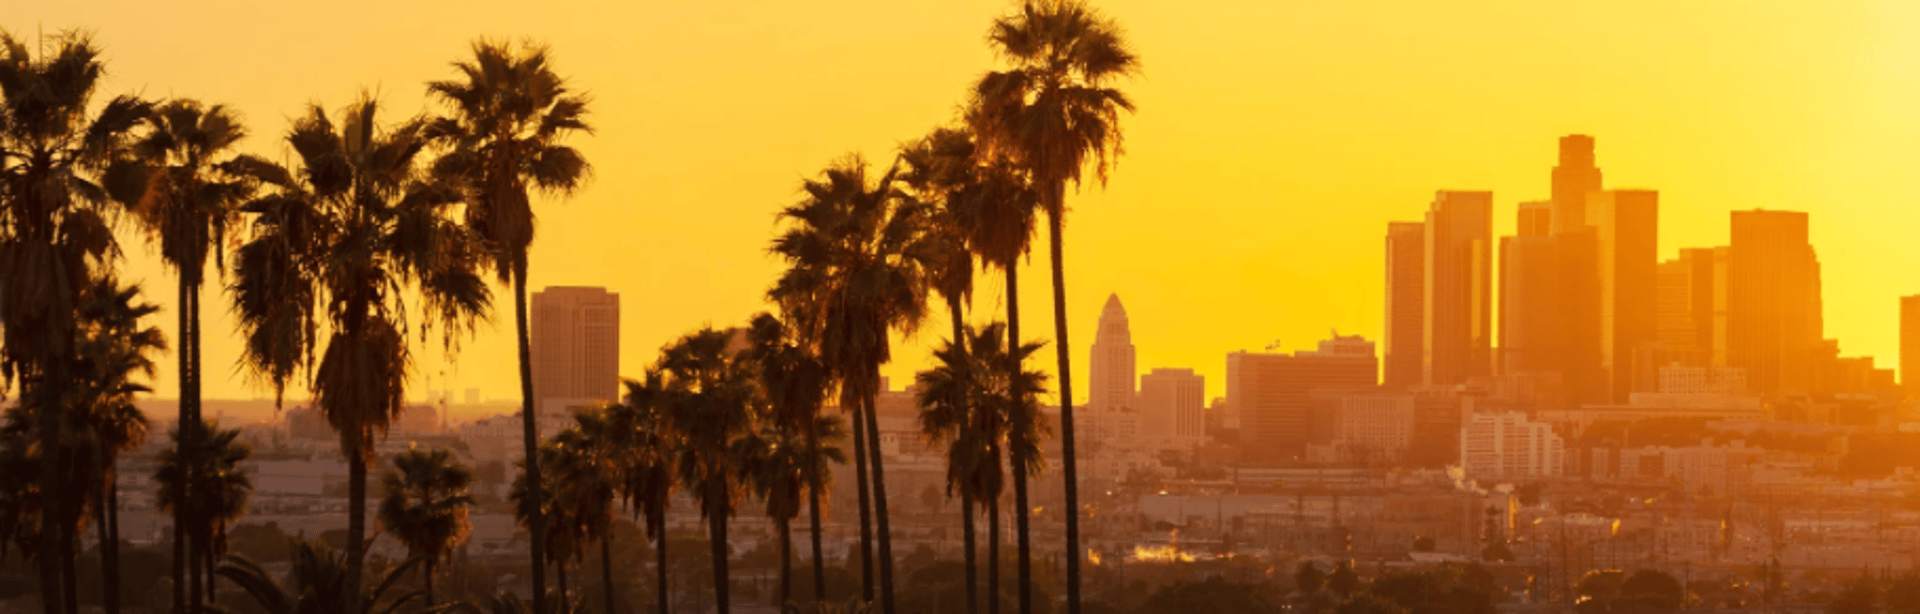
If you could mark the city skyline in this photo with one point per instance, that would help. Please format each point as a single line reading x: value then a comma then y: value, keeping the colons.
x: 1800, y: 109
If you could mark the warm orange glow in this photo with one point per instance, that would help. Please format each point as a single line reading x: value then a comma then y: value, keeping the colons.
x: 1273, y: 144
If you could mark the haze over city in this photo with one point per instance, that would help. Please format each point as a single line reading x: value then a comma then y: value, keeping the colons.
x: 1377, y: 307
x: 1272, y: 141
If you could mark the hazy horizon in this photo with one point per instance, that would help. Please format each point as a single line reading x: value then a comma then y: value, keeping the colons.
x: 1273, y: 144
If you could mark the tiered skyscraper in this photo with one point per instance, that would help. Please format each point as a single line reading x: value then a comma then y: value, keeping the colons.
x: 576, y: 344
x: 1111, y: 369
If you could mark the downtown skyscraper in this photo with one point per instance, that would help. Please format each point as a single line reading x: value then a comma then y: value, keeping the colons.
x: 1774, y: 327
x: 1457, y: 310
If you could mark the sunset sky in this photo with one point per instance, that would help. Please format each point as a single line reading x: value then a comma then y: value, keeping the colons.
x: 1273, y: 143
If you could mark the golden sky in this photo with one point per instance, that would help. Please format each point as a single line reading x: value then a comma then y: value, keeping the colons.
x: 1274, y: 142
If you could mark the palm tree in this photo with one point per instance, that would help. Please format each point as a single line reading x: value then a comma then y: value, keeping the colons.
x: 853, y: 278
x: 713, y: 396
x: 1054, y: 113
x: 113, y: 349
x: 588, y: 470
x: 946, y: 416
x: 781, y: 466
x: 53, y: 235
x: 97, y: 424
x: 510, y: 115
x: 216, y: 485
x: 796, y: 382
x: 348, y: 229
x: 987, y: 207
x: 320, y: 584
x: 564, y: 507
x: 175, y: 184
x: 426, y: 506
x: 643, y: 425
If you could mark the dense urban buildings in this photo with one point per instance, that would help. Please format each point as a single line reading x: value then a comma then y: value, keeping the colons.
x: 1273, y: 393
x: 576, y: 345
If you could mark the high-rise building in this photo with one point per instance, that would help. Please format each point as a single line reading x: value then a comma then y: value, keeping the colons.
x: 1111, y: 370
x: 1627, y: 229
x: 1531, y: 332
x: 1910, y: 345
x: 1406, y: 300
x: 1684, y: 302
x: 1573, y: 181
x: 1534, y: 219
x: 1458, y: 286
x: 1271, y: 392
x: 1171, y: 405
x: 1773, y: 297
x: 576, y: 344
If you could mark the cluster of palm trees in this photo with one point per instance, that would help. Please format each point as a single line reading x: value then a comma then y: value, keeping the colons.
x: 369, y: 219
x: 376, y: 232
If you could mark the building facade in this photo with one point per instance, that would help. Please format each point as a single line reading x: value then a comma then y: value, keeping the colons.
x: 1458, y: 285
x: 576, y: 344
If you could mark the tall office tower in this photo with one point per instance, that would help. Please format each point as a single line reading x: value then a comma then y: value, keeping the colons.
x: 1406, y: 300
x: 576, y: 344
x: 1530, y: 314
x: 1171, y: 403
x: 1271, y: 392
x: 1685, y: 302
x: 1910, y: 345
x: 1627, y: 227
x: 1773, y: 296
x: 1573, y: 180
x: 1111, y: 370
x: 1458, y: 318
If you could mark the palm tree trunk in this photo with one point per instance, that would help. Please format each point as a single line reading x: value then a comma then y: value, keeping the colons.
x: 1068, y: 461
x: 195, y: 543
x: 973, y: 562
x: 717, y: 534
x: 356, y: 523
x: 179, y: 562
x: 606, y: 568
x: 813, y: 504
x: 880, y: 513
x: 536, y: 521
x: 426, y: 579
x: 660, y: 562
x: 207, y: 555
x: 1019, y: 417
x: 110, y: 539
x: 49, y: 428
x: 69, y: 566
x: 993, y: 553
x: 109, y: 561
x: 866, y: 506
x: 786, y: 560
x: 560, y: 572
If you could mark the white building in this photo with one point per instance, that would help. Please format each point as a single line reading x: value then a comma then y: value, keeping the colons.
x: 1109, y: 434
x: 1506, y: 445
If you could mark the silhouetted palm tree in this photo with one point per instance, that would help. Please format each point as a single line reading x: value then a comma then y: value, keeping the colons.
x: 988, y: 206
x: 852, y: 280
x: 97, y: 424
x: 945, y: 396
x: 175, y: 184
x: 588, y: 474
x: 796, y: 383
x: 509, y: 115
x: 426, y: 506
x: 113, y: 350
x: 340, y: 238
x: 644, y: 430
x: 713, y: 396
x: 219, y: 487
x: 1054, y: 113
x: 780, y: 465
x: 319, y: 583
x: 53, y: 236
